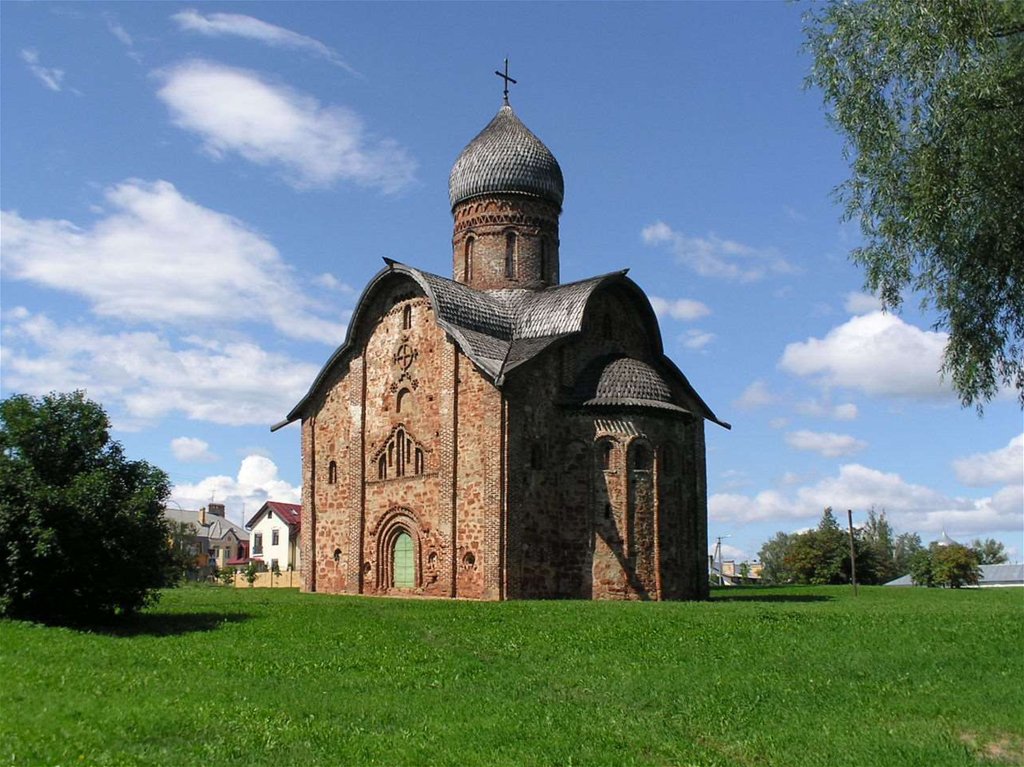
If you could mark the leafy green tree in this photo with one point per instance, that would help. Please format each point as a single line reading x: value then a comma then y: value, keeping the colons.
x: 929, y: 97
x: 82, y: 534
x: 876, y: 552
x: 820, y: 556
x: 773, y: 558
x: 227, y: 576
x: 921, y: 568
x: 906, y: 547
x: 990, y: 551
x: 251, y: 571
x: 955, y: 566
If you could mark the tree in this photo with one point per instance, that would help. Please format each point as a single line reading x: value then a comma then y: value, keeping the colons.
x: 773, y: 558
x: 990, y: 551
x: 876, y: 556
x: 952, y: 566
x: 906, y: 547
x: 250, y: 572
x: 930, y: 100
x: 819, y: 556
x: 82, y: 534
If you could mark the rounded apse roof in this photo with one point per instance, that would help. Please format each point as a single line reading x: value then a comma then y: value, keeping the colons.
x: 624, y: 381
x: 505, y: 157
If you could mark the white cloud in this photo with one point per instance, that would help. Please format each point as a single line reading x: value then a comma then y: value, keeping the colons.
x: 876, y: 353
x: 861, y: 303
x: 679, y: 308
x: 712, y: 256
x: 141, y: 377
x: 909, y: 506
x: 238, y: 25
x: 329, y: 281
x: 1002, y: 466
x: 191, y: 450
x: 824, y: 409
x: 827, y: 444
x: 51, y: 77
x: 755, y: 395
x: 256, y: 483
x: 157, y: 256
x: 696, y: 339
x: 118, y: 31
x: 233, y: 110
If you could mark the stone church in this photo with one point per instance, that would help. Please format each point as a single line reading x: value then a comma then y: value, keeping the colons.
x: 500, y: 435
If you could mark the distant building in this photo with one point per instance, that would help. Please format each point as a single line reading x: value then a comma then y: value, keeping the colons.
x: 274, y: 535
x: 215, y: 540
x: 992, y: 576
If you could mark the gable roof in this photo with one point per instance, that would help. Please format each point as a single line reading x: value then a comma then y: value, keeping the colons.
x: 290, y: 514
x: 215, y: 529
x: 499, y: 330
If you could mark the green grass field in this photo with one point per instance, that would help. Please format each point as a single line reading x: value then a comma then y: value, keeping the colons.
x: 214, y: 676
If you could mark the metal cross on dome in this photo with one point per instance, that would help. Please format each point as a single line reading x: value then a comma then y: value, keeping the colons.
x: 506, y: 78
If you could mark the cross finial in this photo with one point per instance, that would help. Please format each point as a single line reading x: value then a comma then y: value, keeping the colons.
x: 504, y: 76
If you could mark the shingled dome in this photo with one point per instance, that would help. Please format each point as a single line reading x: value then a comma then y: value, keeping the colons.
x: 625, y: 382
x: 506, y: 158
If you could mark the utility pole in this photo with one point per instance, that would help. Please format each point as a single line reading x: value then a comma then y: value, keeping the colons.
x: 853, y: 555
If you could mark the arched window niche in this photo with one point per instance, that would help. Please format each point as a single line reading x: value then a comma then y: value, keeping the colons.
x: 511, y: 245
x: 407, y: 317
x: 332, y: 473
x: 467, y: 265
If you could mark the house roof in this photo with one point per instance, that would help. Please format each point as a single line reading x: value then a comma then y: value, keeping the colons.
x: 499, y: 330
x: 289, y: 513
x: 991, y: 575
x: 215, y: 529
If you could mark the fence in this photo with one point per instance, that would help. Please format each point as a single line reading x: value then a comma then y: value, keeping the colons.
x: 288, y: 579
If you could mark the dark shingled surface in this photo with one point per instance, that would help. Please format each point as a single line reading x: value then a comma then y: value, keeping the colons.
x: 506, y: 158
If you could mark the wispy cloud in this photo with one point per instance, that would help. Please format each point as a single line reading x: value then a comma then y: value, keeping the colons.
x: 827, y: 444
x: 191, y: 450
x: 157, y: 256
x: 696, y: 339
x: 235, y: 111
x: 712, y: 256
x: 861, y: 303
x: 909, y: 506
x: 251, y: 28
x: 1002, y: 466
x: 679, y: 308
x: 143, y: 377
x: 51, y: 77
x: 756, y: 395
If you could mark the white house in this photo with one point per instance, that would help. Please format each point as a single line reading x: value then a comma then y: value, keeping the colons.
x: 274, y: 535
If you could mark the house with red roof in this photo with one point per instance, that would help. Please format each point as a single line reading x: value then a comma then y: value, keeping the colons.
x: 274, y: 535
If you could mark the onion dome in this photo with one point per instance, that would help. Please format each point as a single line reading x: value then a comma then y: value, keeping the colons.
x: 506, y: 158
x: 624, y: 382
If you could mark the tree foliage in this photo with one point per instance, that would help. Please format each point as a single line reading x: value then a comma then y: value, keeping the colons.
x: 773, y: 559
x: 989, y: 551
x: 951, y: 566
x: 81, y: 530
x: 930, y: 100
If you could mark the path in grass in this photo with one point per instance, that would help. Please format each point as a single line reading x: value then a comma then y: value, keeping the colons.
x: 769, y: 677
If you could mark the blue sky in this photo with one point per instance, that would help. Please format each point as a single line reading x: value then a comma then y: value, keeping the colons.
x: 194, y: 196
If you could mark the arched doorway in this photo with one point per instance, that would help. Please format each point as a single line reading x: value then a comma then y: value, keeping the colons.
x: 403, y: 574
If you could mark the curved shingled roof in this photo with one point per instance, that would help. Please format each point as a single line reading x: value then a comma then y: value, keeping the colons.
x: 506, y: 158
x: 624, y: 381
x: 502, y: 329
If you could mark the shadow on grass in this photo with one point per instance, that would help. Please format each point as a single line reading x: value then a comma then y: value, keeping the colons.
x: 152, y: 624
x: 751, y: 596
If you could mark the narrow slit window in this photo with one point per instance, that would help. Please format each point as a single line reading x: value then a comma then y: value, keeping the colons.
x: 510, y: 255
x: 332, y: 473
x: 407, y: 317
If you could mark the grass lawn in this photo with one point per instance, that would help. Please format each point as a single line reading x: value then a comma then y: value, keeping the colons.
x: 797, y: 676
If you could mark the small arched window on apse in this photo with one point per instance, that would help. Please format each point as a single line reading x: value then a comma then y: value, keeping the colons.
x: 418, y: 467
x: 403, y: 401
x: 510, y: 255
x: 332, y: 473
x: 640, y: 457
x: 604, y: 454
x: 382, y: 466
x: 467, y: 266
x: 406, y: 317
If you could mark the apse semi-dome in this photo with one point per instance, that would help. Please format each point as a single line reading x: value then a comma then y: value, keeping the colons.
x: 624, y: 382
x: 506, y: 158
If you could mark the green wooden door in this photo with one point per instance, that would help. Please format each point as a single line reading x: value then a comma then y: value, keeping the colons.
x: 405, y: 570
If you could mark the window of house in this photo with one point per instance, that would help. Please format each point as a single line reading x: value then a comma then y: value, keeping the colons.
x: 275, y: 537
x: 332, y: 473
x: 257, y: 544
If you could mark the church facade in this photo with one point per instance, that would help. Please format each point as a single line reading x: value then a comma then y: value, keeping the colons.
x: 499, y: 435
